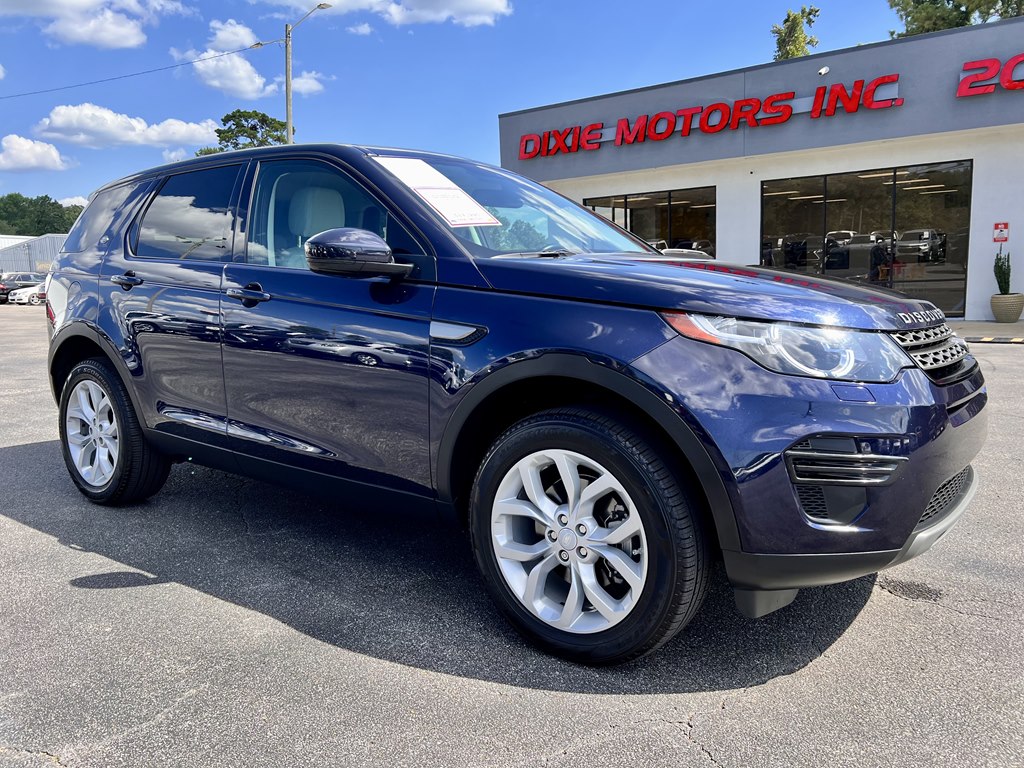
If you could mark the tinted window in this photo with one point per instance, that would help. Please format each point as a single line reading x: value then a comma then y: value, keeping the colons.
x: 95, y: 220
x: 296, y: 199
x: 191, y: 217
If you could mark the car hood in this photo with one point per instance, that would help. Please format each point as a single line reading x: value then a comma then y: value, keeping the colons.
x: 709, y: 287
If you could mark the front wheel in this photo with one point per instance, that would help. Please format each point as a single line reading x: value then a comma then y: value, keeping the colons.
x: 587, y: 541
x: 102, y: 442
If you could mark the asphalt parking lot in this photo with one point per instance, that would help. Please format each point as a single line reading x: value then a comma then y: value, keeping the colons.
x: 228, y: 622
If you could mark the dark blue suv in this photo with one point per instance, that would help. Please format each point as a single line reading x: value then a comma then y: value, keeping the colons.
x: 421, y: 330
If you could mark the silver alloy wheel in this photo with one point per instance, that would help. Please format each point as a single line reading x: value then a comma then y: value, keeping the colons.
x: 34, y: 300
x: 91, y: 433
x: 569, y: 541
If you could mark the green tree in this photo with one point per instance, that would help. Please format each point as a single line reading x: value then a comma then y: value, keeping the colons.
x: 246, y: 128
x: 919, y: 16
x: 791, y: 38
x: 20, y: 215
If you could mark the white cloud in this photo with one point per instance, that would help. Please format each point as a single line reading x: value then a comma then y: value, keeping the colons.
x: 174, y: 155
x: 100, y: 23
x: 106, y: 29
x: 94, y: 126
x: 360, y: 29
x: 76, y: 200
x: 230, y: 35
x: 308, y: 83
x: 20, y: 154
x: 233, y: 75
x: 2, y: 72
x: 468, y: 13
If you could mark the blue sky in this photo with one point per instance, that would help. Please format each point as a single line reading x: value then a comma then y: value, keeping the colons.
x: 430, y: 74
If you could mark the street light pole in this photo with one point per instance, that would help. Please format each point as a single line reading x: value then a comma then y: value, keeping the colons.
x: 289, y: 133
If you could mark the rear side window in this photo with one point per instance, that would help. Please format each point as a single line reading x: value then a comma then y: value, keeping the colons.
x: 95, y: 220
x: 190, y: 218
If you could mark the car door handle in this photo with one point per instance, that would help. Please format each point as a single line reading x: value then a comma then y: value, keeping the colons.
x: 127, y: 281
x: 250, y: 296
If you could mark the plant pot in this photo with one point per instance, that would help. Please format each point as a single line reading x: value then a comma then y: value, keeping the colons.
x: 1007, y: 307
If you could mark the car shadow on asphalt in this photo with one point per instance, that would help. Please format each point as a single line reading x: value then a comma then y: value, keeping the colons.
x: 391, y: 584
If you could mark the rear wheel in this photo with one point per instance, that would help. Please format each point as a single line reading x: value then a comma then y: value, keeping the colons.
x: 101, y: 439
x: 587, y: 541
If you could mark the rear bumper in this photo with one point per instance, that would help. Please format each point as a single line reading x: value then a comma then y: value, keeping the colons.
x: 787, y: 572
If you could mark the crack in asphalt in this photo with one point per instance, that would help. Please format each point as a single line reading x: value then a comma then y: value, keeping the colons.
x: 160, y: 716
x: 689, y: 724
x: 49, y: 756
x: 945, y: 606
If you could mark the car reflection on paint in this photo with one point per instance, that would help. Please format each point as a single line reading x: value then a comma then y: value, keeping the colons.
x: 370, y: 354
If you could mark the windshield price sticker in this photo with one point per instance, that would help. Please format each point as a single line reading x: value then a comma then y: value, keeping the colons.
x: 439, y: 192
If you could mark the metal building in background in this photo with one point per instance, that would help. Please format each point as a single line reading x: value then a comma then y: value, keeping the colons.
x: 32, y: 254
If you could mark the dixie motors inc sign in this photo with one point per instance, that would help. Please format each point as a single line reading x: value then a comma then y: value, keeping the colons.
x: 948, y: 81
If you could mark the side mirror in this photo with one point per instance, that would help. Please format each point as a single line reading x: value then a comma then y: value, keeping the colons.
x: 352, y: 253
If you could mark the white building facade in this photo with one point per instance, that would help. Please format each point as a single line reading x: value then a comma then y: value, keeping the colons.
x: 898, y: 164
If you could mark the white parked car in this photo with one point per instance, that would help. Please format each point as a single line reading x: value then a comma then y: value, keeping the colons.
x: 33, y: 294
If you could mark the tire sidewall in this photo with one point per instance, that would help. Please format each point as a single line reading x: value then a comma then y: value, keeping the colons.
x: 662, y: 567
x: 92, y: 371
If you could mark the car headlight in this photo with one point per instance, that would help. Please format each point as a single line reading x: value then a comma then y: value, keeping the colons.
x: 802, y: 350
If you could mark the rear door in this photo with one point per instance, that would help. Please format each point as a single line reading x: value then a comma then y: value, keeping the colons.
x: 162, y: 285
x: 323, y: 372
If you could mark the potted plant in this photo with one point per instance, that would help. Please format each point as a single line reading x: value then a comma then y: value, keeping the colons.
x: 1006, y: 306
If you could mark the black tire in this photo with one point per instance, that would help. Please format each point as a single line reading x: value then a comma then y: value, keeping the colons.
x: 139, y: 470
x: 678, y: 559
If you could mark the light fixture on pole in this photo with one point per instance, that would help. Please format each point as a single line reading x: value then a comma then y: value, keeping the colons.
x: 288, y: 68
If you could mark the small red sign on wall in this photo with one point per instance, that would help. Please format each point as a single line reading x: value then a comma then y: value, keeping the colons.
x: 1001, y: 232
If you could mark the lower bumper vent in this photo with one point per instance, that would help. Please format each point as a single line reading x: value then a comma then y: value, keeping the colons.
x: 946, y: 496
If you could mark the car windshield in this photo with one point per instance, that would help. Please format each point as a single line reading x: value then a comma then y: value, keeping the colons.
x: 496, y: 213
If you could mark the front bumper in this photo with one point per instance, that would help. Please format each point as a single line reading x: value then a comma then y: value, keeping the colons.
x: 889, y: 454
x: 780, y: 572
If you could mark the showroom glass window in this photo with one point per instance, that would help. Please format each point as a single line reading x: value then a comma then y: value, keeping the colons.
x: 903, y: 228
x: 680, y: 218
x: 191, y: 217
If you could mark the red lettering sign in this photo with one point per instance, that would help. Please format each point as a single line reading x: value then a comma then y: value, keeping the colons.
x: 742, y: 113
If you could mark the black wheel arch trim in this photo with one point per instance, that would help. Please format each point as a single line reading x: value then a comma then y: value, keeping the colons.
x: 84, y: 329
x: 583, y: 369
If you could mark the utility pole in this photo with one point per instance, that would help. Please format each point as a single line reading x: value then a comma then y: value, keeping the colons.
x: 288, y: 68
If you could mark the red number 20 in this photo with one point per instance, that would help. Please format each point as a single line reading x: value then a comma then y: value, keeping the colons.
x: 977, y: 72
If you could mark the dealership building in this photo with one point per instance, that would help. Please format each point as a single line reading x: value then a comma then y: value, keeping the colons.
x: 898, y: 164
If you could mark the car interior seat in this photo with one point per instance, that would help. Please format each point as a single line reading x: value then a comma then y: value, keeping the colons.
x: 311, y: 210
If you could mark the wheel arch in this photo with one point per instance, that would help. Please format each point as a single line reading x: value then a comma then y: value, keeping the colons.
x: 553, y: 380
x: 78, y: 342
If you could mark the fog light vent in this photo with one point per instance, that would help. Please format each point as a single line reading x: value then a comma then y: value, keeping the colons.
x: 812, y: 500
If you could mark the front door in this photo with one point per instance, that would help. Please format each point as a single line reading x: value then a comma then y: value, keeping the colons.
x: 324, y: 372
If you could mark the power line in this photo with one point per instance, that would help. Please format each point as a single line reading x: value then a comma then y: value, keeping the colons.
x: 132, y: 74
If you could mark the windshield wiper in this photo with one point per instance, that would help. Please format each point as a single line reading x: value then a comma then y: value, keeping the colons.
x: 553, y: 253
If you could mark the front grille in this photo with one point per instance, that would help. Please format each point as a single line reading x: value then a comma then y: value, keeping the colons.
x: 936, y: 350
x: 947, y: 495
